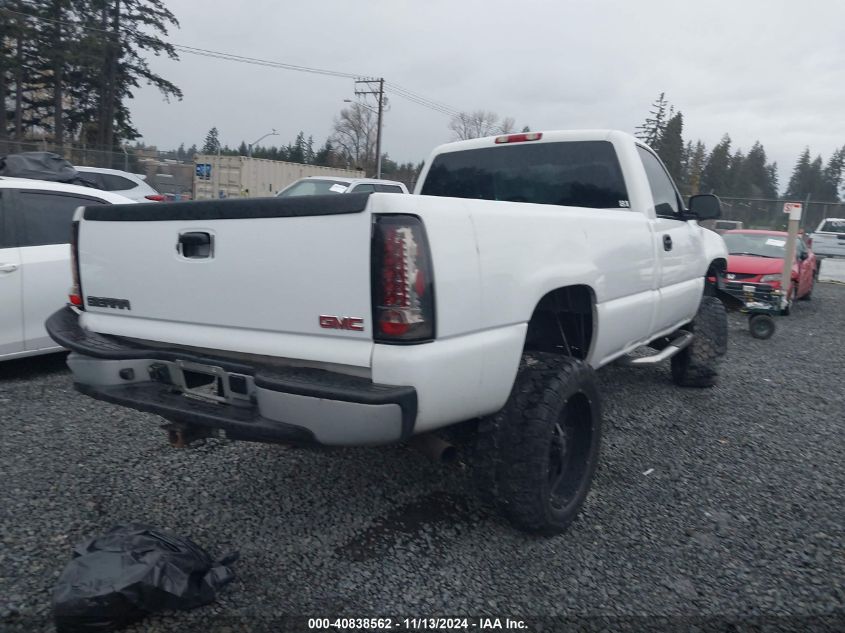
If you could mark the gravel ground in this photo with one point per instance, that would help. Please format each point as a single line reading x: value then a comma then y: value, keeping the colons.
x: 832, y: 269
x: 741, y: 514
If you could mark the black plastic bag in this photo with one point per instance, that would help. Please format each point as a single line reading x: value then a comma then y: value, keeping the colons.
x: 41, y: 166
x: 131, y: 571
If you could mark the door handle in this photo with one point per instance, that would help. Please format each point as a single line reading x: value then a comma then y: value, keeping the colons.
x: 667, y: 242
x: 8, y: 268
x: 195, y: 245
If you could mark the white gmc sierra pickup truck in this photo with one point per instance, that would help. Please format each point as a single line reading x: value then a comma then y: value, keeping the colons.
x: 523, y: 263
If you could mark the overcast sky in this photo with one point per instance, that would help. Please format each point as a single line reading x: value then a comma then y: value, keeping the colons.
x: 769, y: 70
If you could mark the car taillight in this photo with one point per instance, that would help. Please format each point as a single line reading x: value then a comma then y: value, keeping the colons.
x: 519, y: 138
x: 156, y: 197
x: 75, y: 294
x: 402, y: 281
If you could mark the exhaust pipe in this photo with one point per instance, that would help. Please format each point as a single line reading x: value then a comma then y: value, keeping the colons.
x: 183, y: 435
x: 434, y: 448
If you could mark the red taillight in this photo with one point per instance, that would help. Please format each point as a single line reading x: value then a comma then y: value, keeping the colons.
x: 156, y: 197
x: 75, y: 294
x: 519, y: 138
x: 403, y: 293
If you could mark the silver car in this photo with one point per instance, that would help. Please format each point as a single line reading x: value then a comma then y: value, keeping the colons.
x: 321, y: 185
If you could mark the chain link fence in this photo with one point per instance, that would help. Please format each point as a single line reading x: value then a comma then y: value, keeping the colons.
x: 76, y: 154
x: 164, y: 172
x: 761, y: 213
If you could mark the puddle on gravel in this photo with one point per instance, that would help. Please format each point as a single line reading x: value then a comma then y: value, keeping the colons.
x: 407, y: 520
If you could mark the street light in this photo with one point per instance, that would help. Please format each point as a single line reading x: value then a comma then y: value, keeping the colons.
x: 378, y: 129
x: 272, y: 132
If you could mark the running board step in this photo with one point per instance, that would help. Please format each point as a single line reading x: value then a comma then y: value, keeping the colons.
x: 676, y: 345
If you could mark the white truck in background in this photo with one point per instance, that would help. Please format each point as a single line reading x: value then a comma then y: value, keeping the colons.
x: 524, y: 263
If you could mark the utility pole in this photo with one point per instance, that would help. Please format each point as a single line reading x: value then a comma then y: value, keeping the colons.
x: 795, y: 211
x: 379, y: 93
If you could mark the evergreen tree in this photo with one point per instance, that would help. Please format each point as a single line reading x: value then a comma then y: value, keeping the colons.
x: 715, y: 177
x: 325, y: 155
x: 759, y: 174
x: 212, y: 142
x: 192, y: 151
x: 21, y: 77
x: 772, y: 173
x: 832, y: 176
x: 135, y: 27
x: 296, y: 151
x: 650, y: 131
x: 181, y: 154
x: 738, y: 184
x: 309, y: 150
x: 695, y: 168
x: 68, y: 67
x: 670, y: 146
x: 243, y: 150
x: 815, y: 186
x: 799, y: 181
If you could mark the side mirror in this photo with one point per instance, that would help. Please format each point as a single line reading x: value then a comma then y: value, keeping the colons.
x: 704, y: 206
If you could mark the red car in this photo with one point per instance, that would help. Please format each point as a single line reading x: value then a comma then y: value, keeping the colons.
x: 756, y: 257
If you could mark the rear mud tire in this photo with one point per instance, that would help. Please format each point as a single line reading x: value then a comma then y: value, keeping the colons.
x: 535, y: 459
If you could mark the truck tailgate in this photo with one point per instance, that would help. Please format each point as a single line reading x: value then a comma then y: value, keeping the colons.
x: 251, y: 275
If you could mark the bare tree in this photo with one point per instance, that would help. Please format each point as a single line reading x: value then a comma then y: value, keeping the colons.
x: 354, y: 136
x: 508, y: 125
x: 466, y: 125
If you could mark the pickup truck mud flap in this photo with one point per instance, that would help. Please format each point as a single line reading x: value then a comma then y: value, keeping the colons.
x: 252, y: 402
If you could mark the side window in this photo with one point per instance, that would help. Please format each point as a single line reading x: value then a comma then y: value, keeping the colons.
x: 45, y: 217
x: 111, y: 182
x: 93, y: 177
x: 389, y: 188
x: 364, y: 188
x: 6, y: 237
x: 662, y: 189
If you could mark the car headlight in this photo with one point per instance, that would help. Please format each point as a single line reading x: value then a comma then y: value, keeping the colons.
x: 766, y: 278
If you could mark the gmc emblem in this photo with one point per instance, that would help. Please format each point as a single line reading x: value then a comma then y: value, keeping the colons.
x: 356, y: 324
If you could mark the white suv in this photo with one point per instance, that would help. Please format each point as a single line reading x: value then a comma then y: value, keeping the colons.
x: 35, y: 227
x: 132, y: 186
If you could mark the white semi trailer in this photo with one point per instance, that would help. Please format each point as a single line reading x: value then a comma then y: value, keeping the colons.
x: 239, y: 176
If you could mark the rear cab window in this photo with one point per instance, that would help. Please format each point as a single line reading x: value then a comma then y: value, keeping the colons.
x: 567, y: 173
x: 832, y: 226
x: 389, y: 188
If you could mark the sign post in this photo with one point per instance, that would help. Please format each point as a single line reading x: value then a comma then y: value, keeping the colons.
x: 794, y: 210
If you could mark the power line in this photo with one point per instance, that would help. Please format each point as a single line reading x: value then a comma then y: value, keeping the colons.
x: 408, y: 94
x: 391, y: 87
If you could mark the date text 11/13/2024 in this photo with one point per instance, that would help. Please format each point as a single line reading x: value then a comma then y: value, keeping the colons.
x: 415, y: 624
